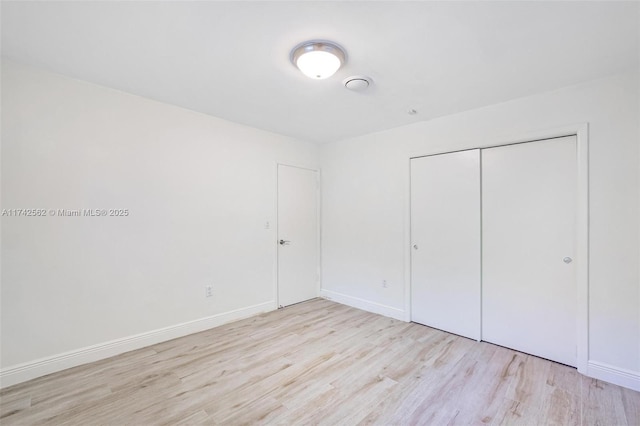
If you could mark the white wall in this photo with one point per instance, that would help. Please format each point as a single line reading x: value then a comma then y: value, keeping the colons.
x: 365, y: 200
x: 199, y: 191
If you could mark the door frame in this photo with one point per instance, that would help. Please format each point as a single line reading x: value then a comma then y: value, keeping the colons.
x: 277, y: 229
x: 581, y: 132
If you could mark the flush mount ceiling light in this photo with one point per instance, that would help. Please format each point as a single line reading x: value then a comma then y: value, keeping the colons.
x: 318, y: 59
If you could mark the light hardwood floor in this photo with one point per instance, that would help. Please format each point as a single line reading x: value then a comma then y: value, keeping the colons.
x: 320, y: 362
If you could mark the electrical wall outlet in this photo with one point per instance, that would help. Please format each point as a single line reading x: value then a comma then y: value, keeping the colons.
x: 208, y: 290
x: 384, y: 284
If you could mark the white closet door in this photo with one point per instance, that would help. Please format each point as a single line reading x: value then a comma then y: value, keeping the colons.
x: 445, y: 232
x: 528, y: 241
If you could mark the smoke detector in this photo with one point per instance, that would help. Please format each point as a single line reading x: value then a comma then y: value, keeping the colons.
x: 357, y: 83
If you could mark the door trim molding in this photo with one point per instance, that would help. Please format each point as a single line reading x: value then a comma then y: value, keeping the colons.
x: 581, y: 131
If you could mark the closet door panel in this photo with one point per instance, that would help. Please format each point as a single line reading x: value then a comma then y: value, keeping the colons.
x: 528, y: 242
x: 445, y: 232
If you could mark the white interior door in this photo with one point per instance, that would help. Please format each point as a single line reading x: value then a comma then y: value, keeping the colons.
x: 298, y: 260
x: 528, y: 241
x: 445, y: 234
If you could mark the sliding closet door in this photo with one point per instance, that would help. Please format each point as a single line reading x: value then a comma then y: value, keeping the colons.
x: 445, y: 233
x: 528, y: 239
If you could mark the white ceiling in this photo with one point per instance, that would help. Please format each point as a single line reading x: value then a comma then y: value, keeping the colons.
x: 231, y: 59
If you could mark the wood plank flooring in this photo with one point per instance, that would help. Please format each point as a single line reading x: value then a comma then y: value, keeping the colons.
x: 324, y: 363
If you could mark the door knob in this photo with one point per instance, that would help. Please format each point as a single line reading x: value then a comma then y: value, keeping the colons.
x: 567, y: 260
x: 284, y: 242
x: 415, y: 247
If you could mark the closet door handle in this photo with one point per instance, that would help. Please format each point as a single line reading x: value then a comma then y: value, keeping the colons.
x: 567, y: 260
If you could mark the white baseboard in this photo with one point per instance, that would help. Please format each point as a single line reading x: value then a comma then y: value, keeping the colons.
x: 43, y: 366
x: 363, y: 304
x: 617, y: 376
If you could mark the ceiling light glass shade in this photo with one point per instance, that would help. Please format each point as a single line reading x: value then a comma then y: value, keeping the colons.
x: 318, y: 64
x: 318, y: 59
